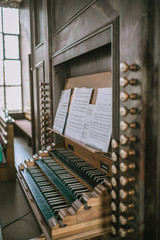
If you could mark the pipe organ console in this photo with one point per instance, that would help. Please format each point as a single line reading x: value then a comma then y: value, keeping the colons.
x: 68, y: 184
x: 78, y: 192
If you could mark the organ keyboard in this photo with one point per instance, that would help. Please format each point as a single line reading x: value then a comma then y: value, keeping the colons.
x: 70, y: 195
x: 68, y: 184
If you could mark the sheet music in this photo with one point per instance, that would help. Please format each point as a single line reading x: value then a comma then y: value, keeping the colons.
x: 61, y: 113
x: 87, y: 123
x: 77, y: 112
x: 101, y: 127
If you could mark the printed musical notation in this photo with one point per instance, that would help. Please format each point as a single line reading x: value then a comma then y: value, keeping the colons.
x: 88, y: 123
x: 77, y: 112
x: 62, y: 110
x: 101, y: 128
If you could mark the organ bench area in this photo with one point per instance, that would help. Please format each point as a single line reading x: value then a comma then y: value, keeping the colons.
x: 68, y: 184
x: 7, y: 165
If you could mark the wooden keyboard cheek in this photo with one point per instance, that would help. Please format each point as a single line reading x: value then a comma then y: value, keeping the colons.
x: 97, y: 209
x: 85, y: 229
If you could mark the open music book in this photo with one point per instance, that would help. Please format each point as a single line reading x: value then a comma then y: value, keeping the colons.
x: 85, y: 122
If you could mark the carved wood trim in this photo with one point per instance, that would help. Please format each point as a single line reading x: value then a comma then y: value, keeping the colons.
x: 81, y: 40
x: 97, y: 32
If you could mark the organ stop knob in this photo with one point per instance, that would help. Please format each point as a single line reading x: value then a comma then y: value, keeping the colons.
x: 124, y: 82
x: 124, y: 167
x: 124, y: 180
x: 114, y: 169
x: 113, y: 206
x: 114, y: 156
x: 124, y: 220
x: 114, y: 144
x: 123, y: 207
x: 124, y: 67
x: 113, y: 194
x: 123, y: 232
x: 124, y: 194
x: 124, y: 111
x: 123, y: 140
x: 124, y: 153
x: 124, y: 96
x: 113, y: 218
x: 114, y: 182
x: 113, y: 230
x: 124, y: 125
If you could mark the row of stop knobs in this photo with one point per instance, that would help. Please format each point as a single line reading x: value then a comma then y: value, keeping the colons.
x: 45, y: 117
x: 121, y: 214
x: 123, y: 194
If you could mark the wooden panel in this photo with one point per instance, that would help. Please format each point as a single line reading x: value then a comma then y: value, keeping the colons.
x: 92, y: 19
x: 96, y: 61
x: 25, y: 126
x: 95, y: 81
x: 65, y: 10
x: 83, y: 230
x: 39, y: 22
x: 93, y: 41
x: 40, y: 77
x: 39, y: 54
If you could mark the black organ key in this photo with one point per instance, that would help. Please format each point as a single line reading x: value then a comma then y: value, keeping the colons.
x: 52, y: 196
x: 55, y: 200
x: 57, y: 208
x: 39, y: 179
x: 66, y: 177
x: 69, y: 180
x: 86, y: 169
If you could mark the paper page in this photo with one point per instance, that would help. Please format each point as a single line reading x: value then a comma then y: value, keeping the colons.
x: 62, y: 109
x: 101, y: 128
x: 87, y: 123
x: 77, y: 112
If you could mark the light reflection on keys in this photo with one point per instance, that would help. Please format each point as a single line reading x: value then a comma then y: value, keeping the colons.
x: 54, y: 199
x: 69, y: 180
x: 85, y: 167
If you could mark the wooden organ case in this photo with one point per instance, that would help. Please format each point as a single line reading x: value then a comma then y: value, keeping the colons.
x: 68, y: 184
x: 131, y: 29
